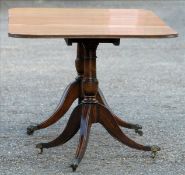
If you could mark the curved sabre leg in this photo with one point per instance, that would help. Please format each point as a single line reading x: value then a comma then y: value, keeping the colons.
x: 100, y: 97
x: 70, y: 130
x: 71, y: 93
x: 107, y: 119
x: 85, y: 125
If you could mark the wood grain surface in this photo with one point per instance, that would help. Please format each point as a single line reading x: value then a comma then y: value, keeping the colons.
x: 86, y: 23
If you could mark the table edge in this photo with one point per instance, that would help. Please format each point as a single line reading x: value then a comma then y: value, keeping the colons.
x: 91, y: 36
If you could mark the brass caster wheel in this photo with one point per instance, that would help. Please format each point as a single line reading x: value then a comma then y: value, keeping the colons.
x: 139, y: 131
x: 136, y: 126
x: 154, y: 150
x: 40, y: 146
x: 31, y: 129
x: 74, y: 165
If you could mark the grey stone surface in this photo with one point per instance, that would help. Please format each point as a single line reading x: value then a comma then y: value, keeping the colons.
x: 149, y: 75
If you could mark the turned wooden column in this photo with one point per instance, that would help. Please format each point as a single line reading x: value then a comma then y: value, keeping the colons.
x: 79, y: 64
x: 90, y: 82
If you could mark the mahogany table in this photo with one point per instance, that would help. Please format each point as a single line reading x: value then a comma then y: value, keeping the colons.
x: 88, y: 28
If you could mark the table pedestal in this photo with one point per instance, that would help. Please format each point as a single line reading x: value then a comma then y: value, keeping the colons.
x: 92, y: 106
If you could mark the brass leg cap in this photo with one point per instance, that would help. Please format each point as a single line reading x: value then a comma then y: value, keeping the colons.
x: 74, y: 165
x: 40, y: 146
x: 31, y: 129
x: 139, y: 131
x: 154, y: 150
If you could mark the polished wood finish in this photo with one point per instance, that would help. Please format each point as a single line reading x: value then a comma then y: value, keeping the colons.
x: 88, y: 28
x: 69, y: 131
x: 71, y: 93
x: 86, y: 23
x: 75, y: 91
x: 101, y: 99
x: 92, y: 107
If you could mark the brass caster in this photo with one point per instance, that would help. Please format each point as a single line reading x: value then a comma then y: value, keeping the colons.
x: 139, y: 131
x: 40, y: 146
x: 135, y: 126
x: 31, y: 129
x: 154, y: 150
x: 74, y: 165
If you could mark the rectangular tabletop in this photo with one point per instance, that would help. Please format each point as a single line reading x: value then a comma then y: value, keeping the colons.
x: 86, y: 23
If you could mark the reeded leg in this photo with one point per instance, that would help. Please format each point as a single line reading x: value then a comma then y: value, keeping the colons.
x: 84, y: 135
x: 70, y: 130
x: 90, y: 87
x: 100, y: 97
x: 106, y: 118
x: 71, y: 93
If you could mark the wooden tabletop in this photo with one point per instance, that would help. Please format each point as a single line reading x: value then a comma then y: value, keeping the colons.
x: 86, y: 23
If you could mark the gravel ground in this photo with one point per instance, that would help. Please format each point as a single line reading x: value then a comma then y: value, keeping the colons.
x: 149, y: 75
